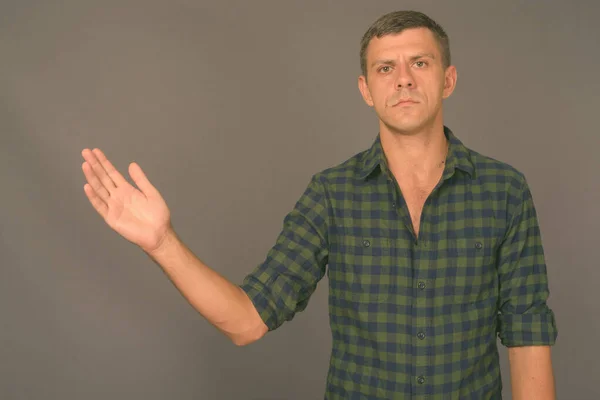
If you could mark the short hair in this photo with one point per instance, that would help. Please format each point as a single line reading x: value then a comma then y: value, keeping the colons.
x: 397, y: 21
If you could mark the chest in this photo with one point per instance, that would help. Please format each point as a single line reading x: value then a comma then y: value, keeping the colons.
x: 373, y: 255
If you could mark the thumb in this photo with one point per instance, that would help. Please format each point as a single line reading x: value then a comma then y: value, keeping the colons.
x: 140, y: 179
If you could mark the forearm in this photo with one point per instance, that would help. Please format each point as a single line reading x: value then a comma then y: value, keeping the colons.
x: 224, y: 304
x: 531, y: 373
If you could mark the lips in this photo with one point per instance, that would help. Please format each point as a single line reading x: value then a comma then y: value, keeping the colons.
x: 404, y: 102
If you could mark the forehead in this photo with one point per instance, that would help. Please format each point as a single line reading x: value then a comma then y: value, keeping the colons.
x: 408, y: 42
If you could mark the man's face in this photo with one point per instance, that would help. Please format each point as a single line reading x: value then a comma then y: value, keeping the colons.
x: 406, y: 81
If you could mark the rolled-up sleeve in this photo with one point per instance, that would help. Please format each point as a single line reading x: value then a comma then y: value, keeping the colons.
x: 524, y: 318
x: 282, y: 285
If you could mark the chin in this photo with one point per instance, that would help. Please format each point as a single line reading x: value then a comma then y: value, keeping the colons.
x: 404, y: 128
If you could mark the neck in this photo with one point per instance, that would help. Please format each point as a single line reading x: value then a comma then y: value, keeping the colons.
x: 420, y: 152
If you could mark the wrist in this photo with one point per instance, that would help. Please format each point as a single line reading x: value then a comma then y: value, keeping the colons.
x: 167, y: 242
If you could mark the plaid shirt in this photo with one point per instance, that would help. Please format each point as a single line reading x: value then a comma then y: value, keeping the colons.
x: 413, y: 318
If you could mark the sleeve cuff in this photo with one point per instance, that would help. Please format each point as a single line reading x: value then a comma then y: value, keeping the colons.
x: 527, y: 329
x: 262, y: 304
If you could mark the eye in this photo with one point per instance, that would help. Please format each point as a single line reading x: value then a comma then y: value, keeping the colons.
x: 384, y: 68
x: 421, y: 64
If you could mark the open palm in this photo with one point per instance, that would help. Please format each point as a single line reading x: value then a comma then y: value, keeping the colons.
x: 139, y: 215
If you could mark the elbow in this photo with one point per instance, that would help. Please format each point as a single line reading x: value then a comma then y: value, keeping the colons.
x: 244, y: 340
x: 250, y: 336
x: 240, y: 342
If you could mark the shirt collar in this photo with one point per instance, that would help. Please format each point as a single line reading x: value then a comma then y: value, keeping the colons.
x: 458, y: 157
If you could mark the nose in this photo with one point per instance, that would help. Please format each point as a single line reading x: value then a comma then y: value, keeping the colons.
x: 404, y: 78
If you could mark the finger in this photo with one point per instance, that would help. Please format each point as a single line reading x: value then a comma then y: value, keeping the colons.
x: 112, y: 172
x: 92, y: 158
x: 142, y: 181
x: 99, y: 205
x: 94, y: 182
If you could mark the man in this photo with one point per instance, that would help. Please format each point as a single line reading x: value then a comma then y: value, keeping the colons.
x: 432, y: 250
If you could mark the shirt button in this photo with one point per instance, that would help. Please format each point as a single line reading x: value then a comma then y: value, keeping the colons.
x: 478, y: 245
x: 394, y: 204
x: 366, y: 243
x: 421, y: 335
x: 421, y: 285
x: 421, y: 380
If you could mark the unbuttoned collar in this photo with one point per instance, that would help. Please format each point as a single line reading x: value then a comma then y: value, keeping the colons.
x: 458, y: 157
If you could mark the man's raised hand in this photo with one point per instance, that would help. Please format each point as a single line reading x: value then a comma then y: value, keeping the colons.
x: 140, y: 216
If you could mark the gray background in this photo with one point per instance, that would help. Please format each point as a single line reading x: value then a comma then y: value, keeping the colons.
x: 230, y: 107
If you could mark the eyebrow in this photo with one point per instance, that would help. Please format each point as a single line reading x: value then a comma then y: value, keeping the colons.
x: 412, y: 58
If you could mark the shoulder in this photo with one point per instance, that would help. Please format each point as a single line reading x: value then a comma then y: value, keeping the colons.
x: 491, y: 170
x: 506, y: 185
x: 344, y: 173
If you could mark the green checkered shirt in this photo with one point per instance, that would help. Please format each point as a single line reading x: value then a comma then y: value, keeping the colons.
x: 413, y: 318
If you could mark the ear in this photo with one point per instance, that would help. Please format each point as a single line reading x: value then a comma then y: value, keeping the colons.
x: 450, y: 77
x: 364, y: 90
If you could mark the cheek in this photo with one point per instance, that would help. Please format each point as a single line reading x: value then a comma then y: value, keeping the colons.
x: 379, y: 101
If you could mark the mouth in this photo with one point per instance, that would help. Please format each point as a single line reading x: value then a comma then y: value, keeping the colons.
x: 405, y: 102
